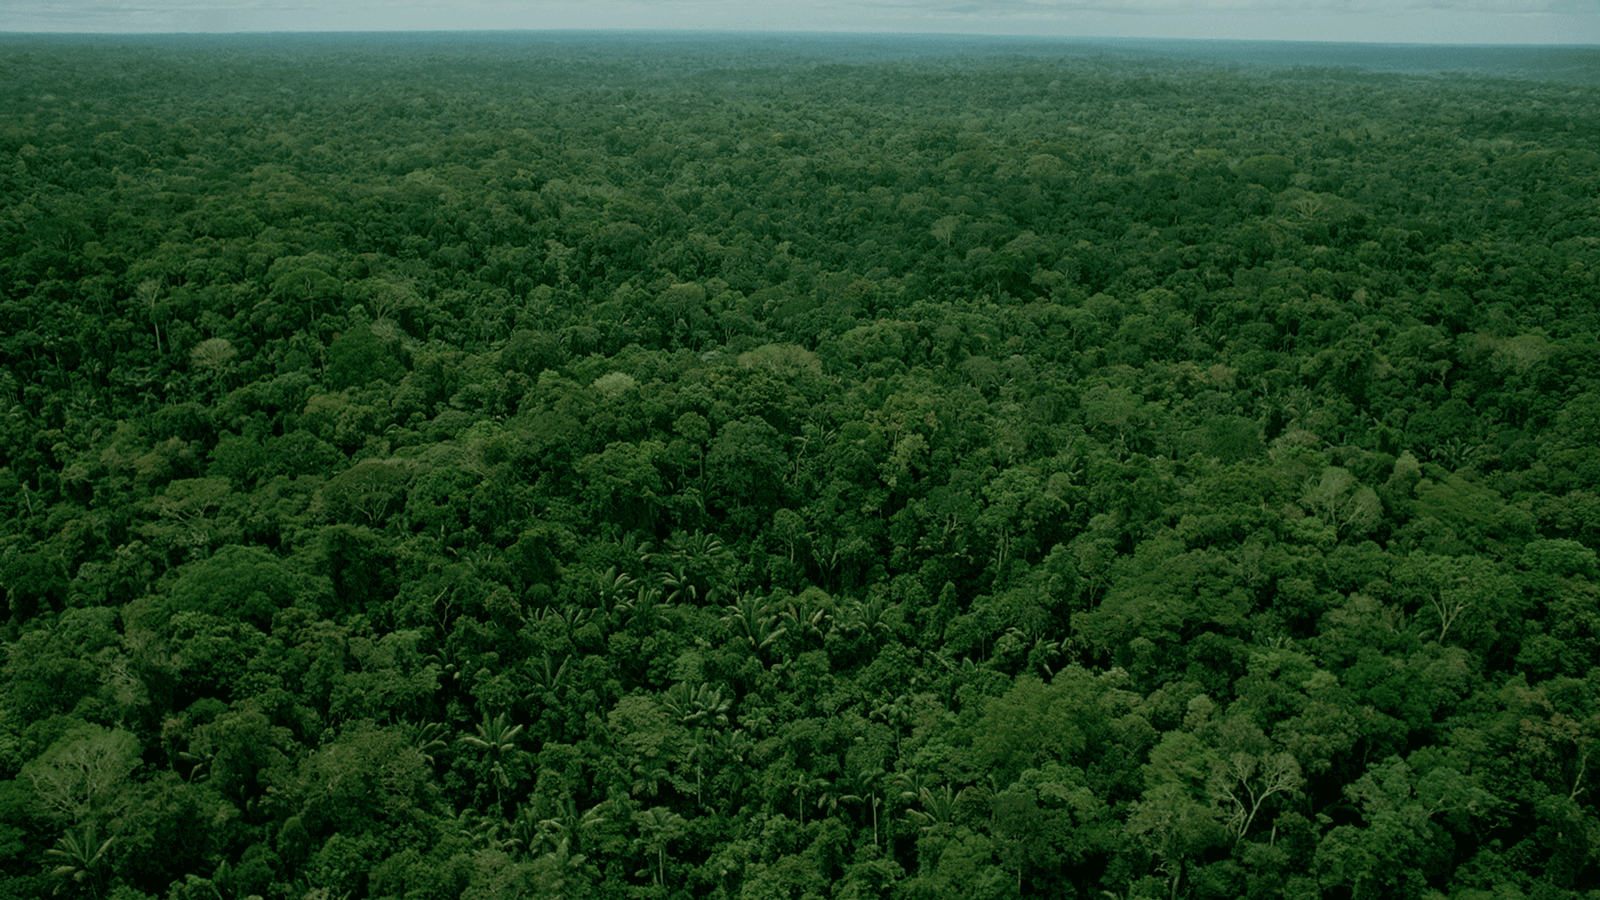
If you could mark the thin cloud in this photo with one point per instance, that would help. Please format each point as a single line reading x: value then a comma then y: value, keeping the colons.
x: 1509, y: 7
x: 1352, y: 7
x: 1433, y: 21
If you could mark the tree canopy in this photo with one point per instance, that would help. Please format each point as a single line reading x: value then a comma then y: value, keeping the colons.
x: 728, y: 467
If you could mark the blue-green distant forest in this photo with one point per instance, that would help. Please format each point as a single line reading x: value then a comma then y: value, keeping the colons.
x: 715, y: 466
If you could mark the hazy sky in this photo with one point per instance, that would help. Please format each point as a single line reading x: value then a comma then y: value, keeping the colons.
x: 1423, y: 21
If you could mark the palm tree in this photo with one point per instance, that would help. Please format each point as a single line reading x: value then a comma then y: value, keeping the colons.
x: 679, y: 584
x: 648, y: 777
x: 731, y: 746
x: 199, y: 764
x: 911, y: 785
x: 564, y: 862
x: 753, y: 622
x: 484, y: 832
x: 497, y: 739
x: 562, y: 832
x: 804, y: 784
x: 548, y: 678
x: 428, y: 739
x: 615, y: 586
x: 571, y: 617
x: 867, y: 618
x: 525, y: 832
x: 698, y: 706
x: 896, y: 713
x: 570, y: 824
x: 699, y: 751
x: 78, y: 856
x: 862, y: 786
x: 658, y: 826
x: 700, y: 550
x: 804, y: 623
x: 644, y: 611
x: 938, y: 807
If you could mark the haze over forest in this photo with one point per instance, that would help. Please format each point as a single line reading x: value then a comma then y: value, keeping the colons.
x: 1389, y: 21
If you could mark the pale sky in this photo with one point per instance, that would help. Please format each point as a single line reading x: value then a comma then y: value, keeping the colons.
x: 1411, y: 21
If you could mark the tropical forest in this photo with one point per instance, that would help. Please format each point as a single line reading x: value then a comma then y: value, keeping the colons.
x: 790, y: 467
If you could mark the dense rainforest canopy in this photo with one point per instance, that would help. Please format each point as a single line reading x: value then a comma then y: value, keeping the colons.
x: 629, y: 467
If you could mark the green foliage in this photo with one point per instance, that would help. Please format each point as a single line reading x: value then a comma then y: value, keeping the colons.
x: 550, y: 466
x: 83, y: 774
x: 247, y: 583
x: 357, y: 357
x: 78, y: 858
